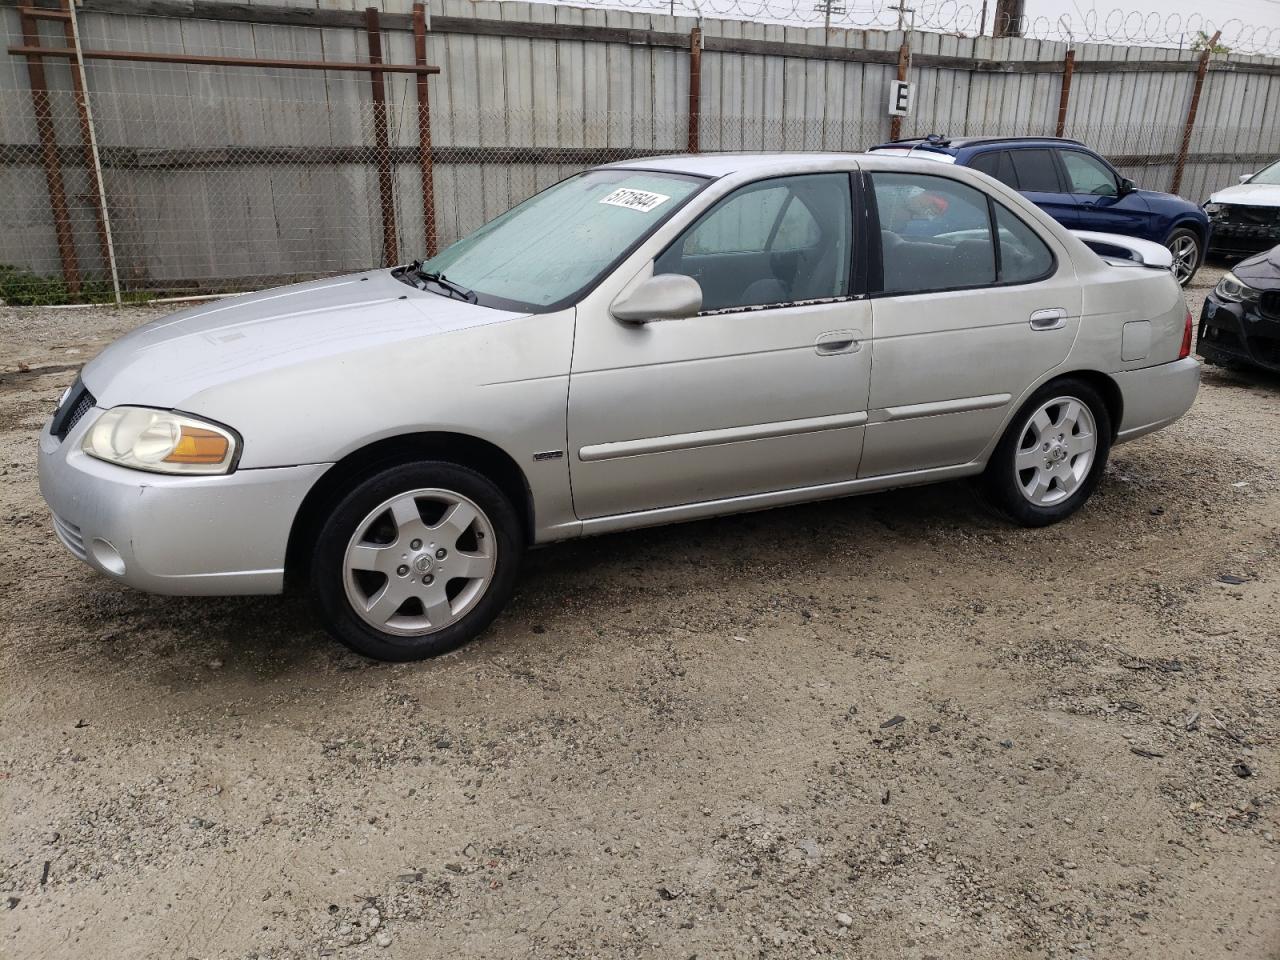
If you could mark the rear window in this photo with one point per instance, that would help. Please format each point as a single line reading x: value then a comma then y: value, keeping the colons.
x: 1036, y: 171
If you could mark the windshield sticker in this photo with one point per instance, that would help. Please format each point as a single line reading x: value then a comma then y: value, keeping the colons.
x: 641, y: 200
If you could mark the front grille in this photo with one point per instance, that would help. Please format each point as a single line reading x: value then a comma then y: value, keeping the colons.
x: 1269, y: 305
x: 70, y: 536
x: 1250, y: 216
x: 79, y: 402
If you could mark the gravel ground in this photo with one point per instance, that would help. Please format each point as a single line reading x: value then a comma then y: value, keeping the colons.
x: 885, y: 727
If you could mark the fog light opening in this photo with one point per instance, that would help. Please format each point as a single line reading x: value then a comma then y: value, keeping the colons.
x: 107, y: 557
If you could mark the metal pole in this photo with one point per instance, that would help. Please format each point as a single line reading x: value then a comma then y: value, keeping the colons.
x: 91, y: 137
x: 386, y: 183
x: 1068, y: 69
x: 904, y: 55
x: 49, y: 158
x: 424, y: 131
x: 695, y: 86
x: 1201, y: 70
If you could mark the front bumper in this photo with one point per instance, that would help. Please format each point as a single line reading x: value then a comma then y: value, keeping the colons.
x: 1238, y: 239
x: 172, y: 534
x: 1232, y: 333
x: 1154, y: 397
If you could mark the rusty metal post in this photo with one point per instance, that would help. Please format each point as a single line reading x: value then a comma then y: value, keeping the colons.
x: 904, y: 58
x: 1192, y: 110
x: 49, y: 157
x: 1068, y: 70
x: 424, y: 130
x: 386, y: 183
x: 87, y: 139
x: 695, y: 87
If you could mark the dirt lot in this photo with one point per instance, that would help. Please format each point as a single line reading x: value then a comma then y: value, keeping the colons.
x: 886, y: 727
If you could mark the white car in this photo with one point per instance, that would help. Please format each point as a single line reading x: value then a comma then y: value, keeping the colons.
x: 648, y: 342
x: 1245, y: 219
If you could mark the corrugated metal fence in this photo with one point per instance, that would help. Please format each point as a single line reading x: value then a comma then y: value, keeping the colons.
x: 219, y: 177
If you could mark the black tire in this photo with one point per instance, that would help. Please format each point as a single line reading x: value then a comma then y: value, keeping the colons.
x: 1000, y: 482
x: 1174, y: 241
x: 327, y: 572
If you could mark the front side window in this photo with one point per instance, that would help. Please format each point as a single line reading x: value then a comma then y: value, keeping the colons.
x: 935, y: 233
x: 1086, y: 174
x: 557, y: 244
x: 1036, y: 171
x: 774, y: 242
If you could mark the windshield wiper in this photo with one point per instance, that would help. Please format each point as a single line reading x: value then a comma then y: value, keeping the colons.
x: 455, y: 290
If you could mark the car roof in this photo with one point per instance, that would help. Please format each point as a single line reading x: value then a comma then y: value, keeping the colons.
x: 723, y: 164
x: 962, y: 143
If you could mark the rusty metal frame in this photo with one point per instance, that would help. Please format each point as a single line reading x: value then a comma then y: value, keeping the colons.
x: 1064, y: 100
x: 695, y: 87
x: 1192, y: 110
x: 424, y: 132
x: 382, y: 141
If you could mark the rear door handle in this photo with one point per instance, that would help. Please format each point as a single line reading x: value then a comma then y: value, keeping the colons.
x: 837, y: 341
x: 1053, y: 318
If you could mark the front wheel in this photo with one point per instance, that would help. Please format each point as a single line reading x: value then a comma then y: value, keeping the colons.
x: 1184, y: 245
x: 415, y: 561
x: 1052, y: 456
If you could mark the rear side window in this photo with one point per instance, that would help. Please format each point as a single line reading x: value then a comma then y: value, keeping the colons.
x: 996, y: 164
x: 1023, y: 255
x: 1036, y: 171
x: 935, y: 233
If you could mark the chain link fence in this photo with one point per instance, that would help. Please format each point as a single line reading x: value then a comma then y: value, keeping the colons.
x: 218, y: 179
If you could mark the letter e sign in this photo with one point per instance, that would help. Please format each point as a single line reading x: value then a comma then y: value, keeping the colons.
x: 901, y: 97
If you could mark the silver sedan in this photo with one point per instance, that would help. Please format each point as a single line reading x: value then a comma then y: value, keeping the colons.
x: 643, y: 343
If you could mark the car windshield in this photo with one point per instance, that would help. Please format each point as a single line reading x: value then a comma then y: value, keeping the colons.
x: 1268, y: 175
x: 550, y: 249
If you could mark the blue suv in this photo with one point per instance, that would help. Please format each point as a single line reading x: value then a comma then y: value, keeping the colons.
x: 1077, y: 188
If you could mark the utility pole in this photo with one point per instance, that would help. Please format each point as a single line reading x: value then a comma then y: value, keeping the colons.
x: 1008, y: 18
x: 904, y: 58
x: 827, y: 8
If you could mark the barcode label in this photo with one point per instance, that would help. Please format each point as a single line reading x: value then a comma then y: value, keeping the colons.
x: 640, y: 200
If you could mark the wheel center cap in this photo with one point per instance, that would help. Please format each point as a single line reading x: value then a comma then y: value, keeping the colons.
x: 1058, y: 453
x: 423, y: 564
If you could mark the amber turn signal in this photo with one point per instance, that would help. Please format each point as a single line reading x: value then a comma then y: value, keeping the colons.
x: 197, y: 445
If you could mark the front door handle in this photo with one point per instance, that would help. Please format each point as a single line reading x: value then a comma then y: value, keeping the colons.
x: 1053, y: 318
x: 837, y: 341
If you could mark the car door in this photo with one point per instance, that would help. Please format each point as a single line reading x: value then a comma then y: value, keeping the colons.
x: 765, y: 389
x: 964, y: 322
x: 1040, y: 181
x: 1095, y: 192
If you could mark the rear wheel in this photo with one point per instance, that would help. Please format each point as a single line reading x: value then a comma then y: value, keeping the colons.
x: 416, y: 561
x: 1184, y: 245
x: 1052, y: 456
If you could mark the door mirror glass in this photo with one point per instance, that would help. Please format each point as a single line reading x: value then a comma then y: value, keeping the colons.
x: 668, y: 296
x: 1127, y: 187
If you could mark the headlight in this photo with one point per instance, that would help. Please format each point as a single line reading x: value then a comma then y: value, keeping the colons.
x: 1215, y: 210
x: 1231, y: 290
x: 160, y: 441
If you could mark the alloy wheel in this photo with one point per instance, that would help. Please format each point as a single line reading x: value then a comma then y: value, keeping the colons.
x: 1055, y: 451
x: 419, y: 562
x: 1186, y: 256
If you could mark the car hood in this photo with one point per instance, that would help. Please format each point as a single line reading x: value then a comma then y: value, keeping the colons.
x: 1261, y: 271
x: 169, y: 360
x: 1249, y: 194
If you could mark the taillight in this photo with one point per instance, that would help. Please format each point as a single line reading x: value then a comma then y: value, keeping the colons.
x: 1186, y: 338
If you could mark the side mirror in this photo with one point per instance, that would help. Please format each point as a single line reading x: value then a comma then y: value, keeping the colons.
x: 667, y: 296
x: 1246, y: 178
x: 1127, y: 186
